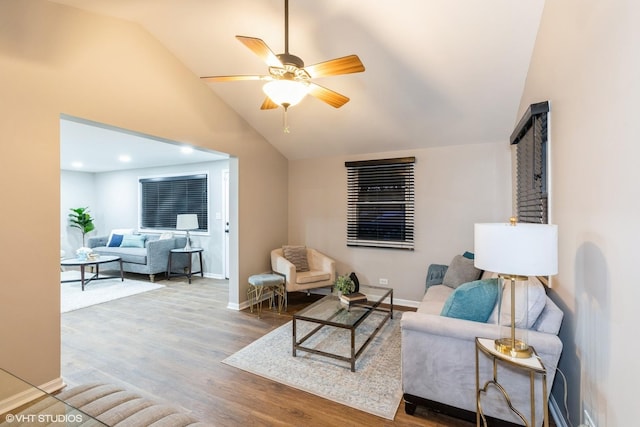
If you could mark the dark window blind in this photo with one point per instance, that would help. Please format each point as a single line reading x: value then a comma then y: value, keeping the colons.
x: 531, y: 137
x: 381, y: 203
x: 164, y: 198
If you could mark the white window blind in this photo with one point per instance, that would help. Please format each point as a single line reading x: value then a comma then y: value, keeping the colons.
x: 381, y: 203
x: 530, y: 138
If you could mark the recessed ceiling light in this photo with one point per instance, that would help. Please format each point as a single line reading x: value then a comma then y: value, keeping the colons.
x: 186, y: 150
x: 124, y: 158
x: 77, y: 164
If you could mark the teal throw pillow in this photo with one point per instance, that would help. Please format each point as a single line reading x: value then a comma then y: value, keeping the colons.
x: 133, y: 241
x: 472, y: 300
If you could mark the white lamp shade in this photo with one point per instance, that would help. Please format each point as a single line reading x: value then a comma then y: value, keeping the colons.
x: 187, y: 222
x: 287, y: 92
x: 522, y: 249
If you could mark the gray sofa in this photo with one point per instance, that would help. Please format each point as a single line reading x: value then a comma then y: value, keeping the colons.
x: 438, y: 358
x: 151, y: 259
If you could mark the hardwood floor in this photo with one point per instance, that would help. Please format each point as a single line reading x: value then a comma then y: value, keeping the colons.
x: 168, y: 345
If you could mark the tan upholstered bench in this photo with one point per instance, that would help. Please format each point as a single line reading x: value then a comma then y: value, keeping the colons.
x: 115, y: 406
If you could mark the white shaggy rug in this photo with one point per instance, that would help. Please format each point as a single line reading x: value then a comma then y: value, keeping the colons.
x: 375, y: 387
x: 97, y: 291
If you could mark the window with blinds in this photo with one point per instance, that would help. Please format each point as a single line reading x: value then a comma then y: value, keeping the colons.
x: 163, y: 198
x: 381, y: 203
x: 530, y: 138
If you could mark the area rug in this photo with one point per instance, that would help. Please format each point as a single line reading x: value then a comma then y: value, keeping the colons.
x: 72, y: 297
x: 375, y: 387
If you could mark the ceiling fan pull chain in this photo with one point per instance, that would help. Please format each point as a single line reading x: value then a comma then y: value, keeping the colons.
x: 285, y: 123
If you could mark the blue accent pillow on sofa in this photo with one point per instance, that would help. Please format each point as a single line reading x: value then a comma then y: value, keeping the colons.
x: 472, y: 300
x: 116, y: 240
x: 133, y: 241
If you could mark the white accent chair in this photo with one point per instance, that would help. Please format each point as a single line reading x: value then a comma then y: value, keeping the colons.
x: 322, y: 271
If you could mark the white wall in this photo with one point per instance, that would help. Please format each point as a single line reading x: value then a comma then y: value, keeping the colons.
x: 77, y: 191
x: 113, y: 199
x: 455, y: 187
x: 586, y: 64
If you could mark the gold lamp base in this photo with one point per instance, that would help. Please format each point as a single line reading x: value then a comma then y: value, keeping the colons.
x: 513, y: 348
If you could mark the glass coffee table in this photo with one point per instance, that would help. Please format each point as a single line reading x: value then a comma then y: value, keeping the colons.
x: 330, y: 312
x: 94, y: 262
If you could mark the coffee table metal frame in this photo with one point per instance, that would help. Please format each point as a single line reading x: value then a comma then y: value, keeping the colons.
x: 329, y: 311
x: 103, y: 259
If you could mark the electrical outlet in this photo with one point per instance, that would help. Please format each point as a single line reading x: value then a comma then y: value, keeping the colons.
x: 383, y: 281
x: 588, y: 421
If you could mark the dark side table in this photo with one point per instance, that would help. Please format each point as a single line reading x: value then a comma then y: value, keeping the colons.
x: 189, y: 253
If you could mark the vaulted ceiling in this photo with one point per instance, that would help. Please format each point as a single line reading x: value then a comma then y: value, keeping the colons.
x: 438, y: 72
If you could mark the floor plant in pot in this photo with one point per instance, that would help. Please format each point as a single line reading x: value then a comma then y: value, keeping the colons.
x: 81, y: 219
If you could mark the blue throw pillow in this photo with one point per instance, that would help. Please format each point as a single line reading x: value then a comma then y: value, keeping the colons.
x: 133, y: 241
x: 116, y: 240
x: 472, y: 300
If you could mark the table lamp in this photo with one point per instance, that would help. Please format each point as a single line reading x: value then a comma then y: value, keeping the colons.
x: 187, y: 222
x: 516, y: 251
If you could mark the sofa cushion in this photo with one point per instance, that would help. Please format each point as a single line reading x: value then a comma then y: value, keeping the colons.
x: 533, y: 306
x: 296, y: 255
x: 434, y: 299
x: 472, y: 301
x: 119, y: 231
x: 132, y: 255
x: 133, y: 241
x: 550, y: 319
x: 461, y: 270
x: 312, y: 276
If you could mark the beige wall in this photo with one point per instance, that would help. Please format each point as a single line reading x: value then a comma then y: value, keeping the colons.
x: 586, y: 64
x: 455, y: 187
x: 55, y: 59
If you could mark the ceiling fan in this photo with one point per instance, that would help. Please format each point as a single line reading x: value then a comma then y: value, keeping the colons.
x: 289, y: 81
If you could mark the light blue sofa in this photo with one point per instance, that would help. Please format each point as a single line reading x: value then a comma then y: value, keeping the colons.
x: 438, y: 358
x: 151, y: 259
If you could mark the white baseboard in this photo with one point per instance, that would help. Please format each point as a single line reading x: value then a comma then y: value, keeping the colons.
x: 326, y: 291
x: 29, y: 395
x: 214, y: 276
x: 406, y: 303
x: 556, y: 413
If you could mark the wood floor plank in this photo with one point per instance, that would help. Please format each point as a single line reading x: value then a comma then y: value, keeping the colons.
x: 168, y: 344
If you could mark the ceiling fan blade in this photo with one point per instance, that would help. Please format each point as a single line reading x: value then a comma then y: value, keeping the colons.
x: 261, y: 49
x: 327, y: 95
x: 212, y: 79
x: 268, y: 104
x: 345, y: 65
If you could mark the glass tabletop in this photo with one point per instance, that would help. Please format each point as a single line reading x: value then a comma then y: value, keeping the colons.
x: 331, y: 310
x: 102, y: 259
x: 41, y: 408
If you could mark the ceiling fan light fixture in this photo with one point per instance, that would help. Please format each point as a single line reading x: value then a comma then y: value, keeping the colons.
x: 289, y: 92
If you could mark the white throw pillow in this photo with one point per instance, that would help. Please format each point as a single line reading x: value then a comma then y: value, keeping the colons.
x: 166, y: 235
x: 121, y: 231
x: 537, y: 299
